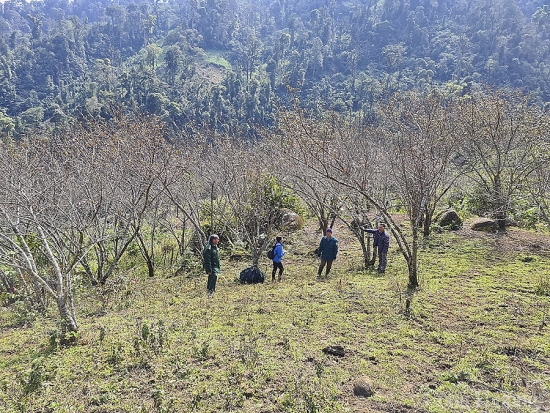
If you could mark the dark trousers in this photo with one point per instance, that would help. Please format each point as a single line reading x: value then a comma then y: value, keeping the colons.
x: 277, y: 265
x: 211, y: 285
x: 323, y: 262
x: 382, y: 261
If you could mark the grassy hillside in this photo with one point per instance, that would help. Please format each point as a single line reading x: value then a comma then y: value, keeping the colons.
x: 476, y: 337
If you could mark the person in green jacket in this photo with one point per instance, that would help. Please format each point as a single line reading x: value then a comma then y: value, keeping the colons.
x: 211, y: 262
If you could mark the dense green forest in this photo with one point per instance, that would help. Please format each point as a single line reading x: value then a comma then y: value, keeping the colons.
x: 230, y: 64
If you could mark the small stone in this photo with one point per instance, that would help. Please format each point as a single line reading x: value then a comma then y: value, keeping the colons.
x: 363, y: 387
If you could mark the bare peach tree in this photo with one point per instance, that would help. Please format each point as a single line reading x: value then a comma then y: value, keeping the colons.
x: 328, y: 201
x: 127, y: 158
x: 340, y: 156
x: 504, y: 140
x: 77, y: 195
x: 419, y: 135
x: 191, y: 189
x: 356, y: 213
x: 40, y: 220
x: 401, y: 155
x: 539, y: 189
x: 321, y: 199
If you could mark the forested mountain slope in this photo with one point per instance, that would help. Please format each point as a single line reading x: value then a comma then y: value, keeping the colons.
x: 228, y: 64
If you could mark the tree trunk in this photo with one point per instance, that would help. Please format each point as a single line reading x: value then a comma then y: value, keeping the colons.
x: 500, y: 208
x: 412, y: 262
x: 88, y: 271
x: 428, y: 219
x: 366, y: 252
x: 148, y: 256
x: 8, y: 284
x: 374, y: 256
x: 69, y: 326
x: 255, y: 258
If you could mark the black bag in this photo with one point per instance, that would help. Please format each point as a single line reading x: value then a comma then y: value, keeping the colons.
x: 271, y: 253
x: 252, y: 275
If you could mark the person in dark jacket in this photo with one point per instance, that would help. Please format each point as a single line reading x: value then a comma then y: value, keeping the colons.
x: 211, y: 263
x: 327, y: 251
x: 382, y: 241
x: 278, y: 253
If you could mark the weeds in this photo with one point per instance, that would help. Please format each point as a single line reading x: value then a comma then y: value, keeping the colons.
x: 32, y: 380
x: 542, y: 286
x: 150, y: 337
x: 116, y: 355
x: 201, y: 351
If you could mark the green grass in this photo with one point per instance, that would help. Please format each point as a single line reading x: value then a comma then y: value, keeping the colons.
x: 215, y: 57
x: 475, y: 339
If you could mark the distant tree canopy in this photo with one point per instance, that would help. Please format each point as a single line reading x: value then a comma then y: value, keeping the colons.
x: 228, y: 64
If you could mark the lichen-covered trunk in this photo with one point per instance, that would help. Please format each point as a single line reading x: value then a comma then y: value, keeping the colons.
x: 365, y: 248
x: 374, y: 256
x: 69, y: 325
x: 255, y: 253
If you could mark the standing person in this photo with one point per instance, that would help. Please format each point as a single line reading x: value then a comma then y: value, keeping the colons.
x: 328, y: 250
x: 278, y: 253
x: 382, y: 240
x: 211, y: 262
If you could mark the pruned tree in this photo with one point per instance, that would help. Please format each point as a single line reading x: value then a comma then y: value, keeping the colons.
x: 419, y: 134
x: 504, y: 141
x: 356, y: 157
x: 128, y: 158
x: 40, y: 217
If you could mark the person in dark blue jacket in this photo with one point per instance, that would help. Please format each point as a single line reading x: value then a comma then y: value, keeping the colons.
x: 327, y: 251
x: 382, y: 241
x: 278, y: 253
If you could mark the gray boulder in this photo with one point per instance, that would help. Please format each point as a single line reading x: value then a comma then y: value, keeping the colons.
x: 450, y: 219
x: 290, y: 220
x: 484, y: 224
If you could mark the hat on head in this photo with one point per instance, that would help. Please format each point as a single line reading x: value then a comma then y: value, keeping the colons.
x: 329, y: 230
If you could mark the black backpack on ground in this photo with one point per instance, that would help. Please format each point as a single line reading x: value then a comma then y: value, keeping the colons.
x: 252, y: 275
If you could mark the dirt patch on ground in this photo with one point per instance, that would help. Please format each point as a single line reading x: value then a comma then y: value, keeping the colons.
x: 368, y: 406
x: 512, y: 240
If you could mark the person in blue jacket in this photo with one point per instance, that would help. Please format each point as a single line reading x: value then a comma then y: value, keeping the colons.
x: 278, y: 253
x: 382, y: 241
x: 327, y: 251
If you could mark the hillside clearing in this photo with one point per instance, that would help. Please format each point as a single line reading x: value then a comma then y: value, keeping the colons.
x: 475, y: 338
